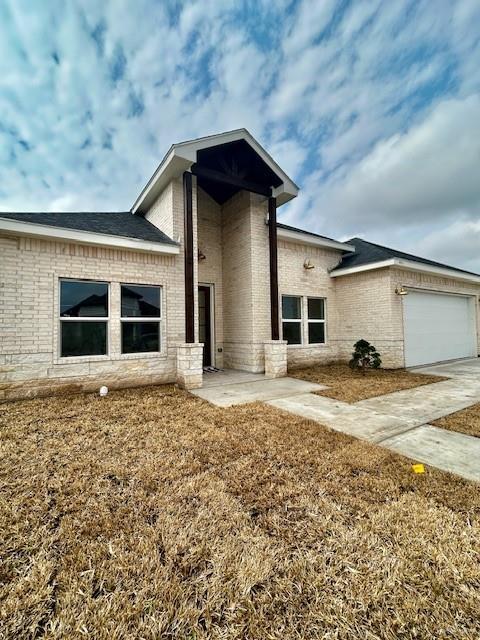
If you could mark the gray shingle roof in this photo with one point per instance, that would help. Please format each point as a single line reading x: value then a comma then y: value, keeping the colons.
x: 122, y: 223
x: 280, y: 225
x: 368, y: 253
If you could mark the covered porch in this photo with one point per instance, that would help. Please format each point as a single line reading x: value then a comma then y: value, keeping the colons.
x: 231, y: 270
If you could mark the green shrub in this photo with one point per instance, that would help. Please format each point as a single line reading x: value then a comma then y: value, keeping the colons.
x: 365, y: 357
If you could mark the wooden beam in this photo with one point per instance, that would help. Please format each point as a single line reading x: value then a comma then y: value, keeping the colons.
x: 218, y: 176
x: 188, y: 246
x: 272, y: 237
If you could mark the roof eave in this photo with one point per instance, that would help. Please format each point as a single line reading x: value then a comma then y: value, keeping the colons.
x: 409, y: 265
x: 303, y: 237
x: 181, y: 156
x: 49, y: 232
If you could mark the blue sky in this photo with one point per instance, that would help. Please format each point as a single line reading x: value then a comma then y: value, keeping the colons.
x: 372, y: 107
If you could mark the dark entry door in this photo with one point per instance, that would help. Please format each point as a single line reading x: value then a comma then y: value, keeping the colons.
x: 205, y: 324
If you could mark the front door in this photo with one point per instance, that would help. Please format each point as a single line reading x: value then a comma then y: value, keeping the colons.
x: 205, y: 324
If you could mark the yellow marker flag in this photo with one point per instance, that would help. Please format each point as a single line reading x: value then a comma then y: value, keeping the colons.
x: 418, y: 468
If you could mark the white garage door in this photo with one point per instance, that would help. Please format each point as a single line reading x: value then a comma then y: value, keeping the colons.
x: 437, y: 327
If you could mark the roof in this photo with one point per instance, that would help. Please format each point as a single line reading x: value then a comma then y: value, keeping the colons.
x: 280, y: 225
x: 370, y: 253
x: 182, y: 155
x: 122, y: 223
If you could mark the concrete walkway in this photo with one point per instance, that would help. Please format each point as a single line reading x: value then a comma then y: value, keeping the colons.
x: 227, y: 388
x: 398, y: 421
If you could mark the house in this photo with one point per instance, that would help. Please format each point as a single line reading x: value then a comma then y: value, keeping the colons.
x: 199, y: 273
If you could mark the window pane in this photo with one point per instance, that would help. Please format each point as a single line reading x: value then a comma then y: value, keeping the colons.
x: 292, y: 332
x: 84, y: 338
x: 291, y: 308
x: 316, y: 309
x: 83, y: 299
x: 316, y: 332
x: 140, y: 302
x: 138, y: 337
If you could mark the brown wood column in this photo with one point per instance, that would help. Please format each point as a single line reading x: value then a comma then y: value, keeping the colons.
x: 188, y: 245
x: 272, y: 236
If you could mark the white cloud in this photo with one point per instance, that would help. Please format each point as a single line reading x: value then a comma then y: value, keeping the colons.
x: 428, y: 173
x: 456, y: 244
x: 371, y: 107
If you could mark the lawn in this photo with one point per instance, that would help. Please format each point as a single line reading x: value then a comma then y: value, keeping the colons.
x: 351, y: 386
x: 152, y: 514
x: 465, y: 421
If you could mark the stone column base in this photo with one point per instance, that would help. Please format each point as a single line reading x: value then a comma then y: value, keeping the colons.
x: 275, y: 358
x: 190, y: 365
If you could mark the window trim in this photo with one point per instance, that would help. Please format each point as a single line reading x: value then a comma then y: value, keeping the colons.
x: 158, y: 319
x: 105, y: 319
x: 316, y: 320
x: 293, y: 320
x: 304, y: 320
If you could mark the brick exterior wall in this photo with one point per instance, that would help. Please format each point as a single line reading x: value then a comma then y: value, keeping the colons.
x: 369, y: 308
x: 210, y: 269
x: 234, y: 239
x: 246, y: 298
x: 365, y: 304
x: 428, y: 283
x: 295, y: 280
x: 30, y: 362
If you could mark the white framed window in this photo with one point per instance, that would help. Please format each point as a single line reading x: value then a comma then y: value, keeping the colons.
x: 292, y: 319
x: 84, y: 316
x: 141, y: 316
x: 316, y: 320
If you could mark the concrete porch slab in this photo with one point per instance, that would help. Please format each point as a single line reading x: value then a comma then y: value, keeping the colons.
x: 229, y: 376
x: 261, y: 389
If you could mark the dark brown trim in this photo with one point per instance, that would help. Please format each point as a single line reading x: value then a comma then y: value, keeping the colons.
x: 188, y: 244
x: 218, y: 176
x: 207, y: 340
x: 272, y: 237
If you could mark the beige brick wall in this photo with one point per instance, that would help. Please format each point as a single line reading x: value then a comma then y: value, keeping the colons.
x: 295, y: 280
x: 210, y: 270
x: 161, y: 213
x: 246, y: 309
x: 365, y: 310
x: 30, y: 363
x: 369, y: 308
x: 426, y: 282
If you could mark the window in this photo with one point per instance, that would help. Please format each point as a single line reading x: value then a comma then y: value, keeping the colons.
x: 141, y: 315
x: 292, y: 319
x: 316, y: 320
x: 83, y: 318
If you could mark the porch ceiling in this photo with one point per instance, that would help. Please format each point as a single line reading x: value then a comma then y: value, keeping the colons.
x: 238, y: 166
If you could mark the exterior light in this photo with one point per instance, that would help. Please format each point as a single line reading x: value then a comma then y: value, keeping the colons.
x: 401, y: 291
x: 201, y: 255
x: 308, y: 265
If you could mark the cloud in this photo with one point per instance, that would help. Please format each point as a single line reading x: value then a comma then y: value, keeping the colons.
x: 430, y: 172
x: 371, y: 107
x: 458, y: 243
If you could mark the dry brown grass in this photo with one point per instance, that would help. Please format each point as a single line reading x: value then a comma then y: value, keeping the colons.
x: 351, y: 386
x: 151, y: 514
x: 465, y: 421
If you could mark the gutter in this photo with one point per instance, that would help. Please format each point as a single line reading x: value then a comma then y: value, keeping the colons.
x: 303, y: 237
x: 47, y: 232
x: 409, y: 265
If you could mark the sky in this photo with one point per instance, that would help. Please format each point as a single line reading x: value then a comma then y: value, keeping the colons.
x: 372, y: 108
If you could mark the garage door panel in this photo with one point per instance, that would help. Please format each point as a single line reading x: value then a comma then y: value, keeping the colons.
x: 437, y: 327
